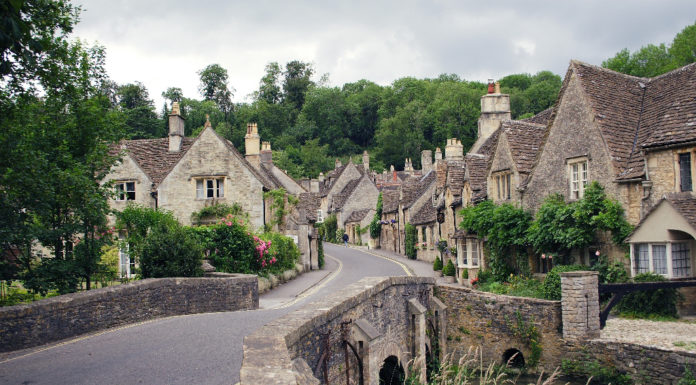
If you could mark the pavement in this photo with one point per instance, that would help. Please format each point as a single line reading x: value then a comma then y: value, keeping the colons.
x: 416, y: 267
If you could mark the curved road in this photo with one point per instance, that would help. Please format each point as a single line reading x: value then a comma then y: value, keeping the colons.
x: 192, y: 349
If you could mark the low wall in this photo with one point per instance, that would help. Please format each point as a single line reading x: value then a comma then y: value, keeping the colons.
x: 486, y: 320
x: 69, y: 315
x: 373, y: 313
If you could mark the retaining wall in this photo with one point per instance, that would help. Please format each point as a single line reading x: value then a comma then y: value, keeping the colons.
x: 69, y: 315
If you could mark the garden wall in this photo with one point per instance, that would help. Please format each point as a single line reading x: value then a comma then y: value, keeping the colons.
x: 69, y: 315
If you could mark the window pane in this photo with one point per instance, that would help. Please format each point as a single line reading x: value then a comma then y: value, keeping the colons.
x: 120, y: 194
x: 659, y: 259
x: 507, y: 185
x: 130, y: 191
x: 221, y: 187
x: 474, y: 253
x: 497, y: 179
x: 465, y: 256
x: 681, y: 260
x: 642, y: 264
x: 210, y: 188
x: 200, y: 193
x: 685, y: 171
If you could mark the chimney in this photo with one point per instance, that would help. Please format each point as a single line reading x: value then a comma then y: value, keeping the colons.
x: 337, y: 164
x: 366, y: 160
x: 176, y: 128
x: 454, y: 150
x: 266, y: 153
x: 495, y: 107
x: 426, y: 161
x: 314, y: 185
x: 491, y: 86
x: 252, y: 143
x: 438, y: 155
x: 321, y: 177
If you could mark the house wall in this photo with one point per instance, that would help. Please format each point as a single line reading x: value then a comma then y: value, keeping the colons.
x: 128, y: 170
x: 349, y: 173
x: 573, y: 134
x: 663, y: 172
x: 364, y: 196
x: 429, y: 251
x: 389, y: 239
x: 502, y: 161
x: 209, y: 156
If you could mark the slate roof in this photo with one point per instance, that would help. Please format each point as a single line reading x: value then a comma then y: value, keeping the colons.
x: 153, y: 156
x: 476, y: 170
x: 413, y: 188
x: 489, y: 145
x: 390, y: 201
x: 357, y: 215
x: 541, y: 118
x: 425, y: 214
x: 525, y: 140
x: 455, y: 176
x: 340, y: 199
x: 308, y: 205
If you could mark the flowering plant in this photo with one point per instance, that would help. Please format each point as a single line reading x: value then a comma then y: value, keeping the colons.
x: 262, y: 249
x: 474, y: 281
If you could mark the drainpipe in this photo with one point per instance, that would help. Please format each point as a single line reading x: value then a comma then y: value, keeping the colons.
x: 153, y: 194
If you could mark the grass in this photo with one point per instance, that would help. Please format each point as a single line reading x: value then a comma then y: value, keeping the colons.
x: 688, y: 345
x: 13, y: 293
x: 517, y: 287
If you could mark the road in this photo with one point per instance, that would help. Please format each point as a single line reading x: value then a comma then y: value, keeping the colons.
x: 192, y: 349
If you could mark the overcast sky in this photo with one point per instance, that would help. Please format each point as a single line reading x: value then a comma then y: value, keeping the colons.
x: 163, y: 43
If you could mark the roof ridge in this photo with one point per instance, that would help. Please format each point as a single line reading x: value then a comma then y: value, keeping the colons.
x: 575, y: 62
x: 672, y: 72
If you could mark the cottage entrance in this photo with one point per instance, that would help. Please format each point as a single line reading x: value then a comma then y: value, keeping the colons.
x: 392, y: 372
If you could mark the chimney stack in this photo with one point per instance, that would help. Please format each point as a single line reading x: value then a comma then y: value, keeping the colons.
x: 426, y: 161
x: 252, y: 144
x: 438, y: 155
x: 495, y: 107
x: 266, y: 153
x: 454, y: 150
x: 176, y: 128
x: 337, y: 163
x: 366, y: 160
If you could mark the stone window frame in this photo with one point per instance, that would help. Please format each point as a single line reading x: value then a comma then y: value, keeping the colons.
x: 124, y: 191
x: 669, y: 258
x: 503, y: 178
x: 580, y: 176
x: 678, y: 168
x: 203, y: 189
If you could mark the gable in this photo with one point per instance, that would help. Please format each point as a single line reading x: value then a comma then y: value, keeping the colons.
x: 656, y: 225
x: 502, y: 157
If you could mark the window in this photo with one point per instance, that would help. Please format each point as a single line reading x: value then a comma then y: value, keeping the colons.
x: 125, y: 191
x: 127, y: 264
x: 681, y: 260
x: 642, y: 264
x: 210, y: 188
x: 465, y: 256
x: 659, y: 254
x: 578, y: 178
x: 474, y: 253
x: 685, y: 171
x: 503, y: 183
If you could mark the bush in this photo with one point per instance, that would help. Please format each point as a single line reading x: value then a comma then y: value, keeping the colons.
x: 449, y: 269
x: 320, y: 244
x: 330, y: 226
x: 170, y: 251
x: 216, y: 211
x: 437, y: 264
x: 610, y: 272
x: 410, y: 239
x: 591, y: 368
x: 465, y: 274
x: 649, y: 303
x: 283, y: 250
x: 53, y: 274
x: 484, y: 276
x: 232, y: 249
x: 551, y: 287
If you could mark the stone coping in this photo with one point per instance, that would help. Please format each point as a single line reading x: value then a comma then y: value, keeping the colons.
x: 580, y: 273
x: 266, y: 356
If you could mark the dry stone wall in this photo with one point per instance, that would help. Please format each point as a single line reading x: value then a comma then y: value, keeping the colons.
x: 69, y: 315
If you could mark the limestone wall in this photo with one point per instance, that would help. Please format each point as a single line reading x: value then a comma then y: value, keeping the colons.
x: 128, y: 171
x: 69, y: 315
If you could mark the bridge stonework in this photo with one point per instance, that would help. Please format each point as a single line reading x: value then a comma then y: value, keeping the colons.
x: 380, y: 317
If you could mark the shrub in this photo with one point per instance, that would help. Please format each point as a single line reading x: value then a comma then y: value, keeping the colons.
x: 410, y: 238
x: 551, y: 288
x: 170, y: 251
x: 449, y: 269
x: 283, y: 250
x: 320, y: 244
x: 53, y: 274
x: 330, y: 227
x: 218, y: 210
x: 591, y: 368
x: 437, y: 264
x: 339, y: 235
x: 233, y: 249
x: 649, y: 303
x: 465, y: 274
x: 484, y: 276
x: 610, y: 272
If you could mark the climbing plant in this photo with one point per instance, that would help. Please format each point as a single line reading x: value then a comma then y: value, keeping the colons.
x: 376, y: 224
x: 529, y: 334
x: 410, y: 240
x: 279, y: 198
x: 217, y: 211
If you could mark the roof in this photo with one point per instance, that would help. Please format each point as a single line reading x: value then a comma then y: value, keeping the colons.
x: 357, y: 215
x: 413, y: 188
x: 390, y: 201
x: 262, y: 178
x: 489, y: 145
x: 541, y: 118
x: 308, y: 205
x: 455, y: 176
x: 684, y: 203
x: 476, y: 169
x: 426, y: 214
x: 153, y: 156
x: 525, y: 140
x: 340, y: 199
x: 266, y: 171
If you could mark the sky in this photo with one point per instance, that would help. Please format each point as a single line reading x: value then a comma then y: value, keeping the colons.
x: 164, y: 43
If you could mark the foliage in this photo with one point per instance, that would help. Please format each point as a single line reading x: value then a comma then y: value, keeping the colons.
x: 529, y: 334
x: 13, y: 294
x: 339, y: 235
x: 170, y: 251
x: 52, y: 274
x: 139, y: 110
x: 232, y: 249
x: 688, y: 378
x: 437, y: 264
x: 484, y: 276
x: 330, y: 228
x: 610, y: 272
x: 214, y: 86
x: 448, y: 270
x: 282, y: 254
x: 599, y: 373
x: 517, y: 286
x: 218, y: 211
x: 138, y: 221
x: 649, y: 303
x: 320, y: 245
x: 410, y: 239
x: 551, y: 287
x: 376, y: 224
x: 465, y: 273
x: 279, y: 198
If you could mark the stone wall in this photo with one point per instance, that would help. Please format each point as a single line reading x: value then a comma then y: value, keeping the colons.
x: 479, y: 319
x: 69, y: 315
x: 374, y: 314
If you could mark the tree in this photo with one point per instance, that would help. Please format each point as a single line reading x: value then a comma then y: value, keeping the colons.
x: 683, y: 49
x: 296, y: 83
x: 173, y: 94
x: 139, y: 110
x: 214, y: 86
x: 269, y: 86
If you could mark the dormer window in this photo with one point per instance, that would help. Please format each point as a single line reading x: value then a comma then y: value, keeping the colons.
x: 209, y: 188
x: 577, y: 170
x: 125, y: 191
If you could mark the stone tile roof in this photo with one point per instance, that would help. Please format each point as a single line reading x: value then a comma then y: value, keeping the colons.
x: 308, y: 205
x: 541, y: 118
x: 153, y: 156
x: 340, y: 199
x: 357, y: 215
x: 525, y: 140
x: 476, y: 170
x: 425, y: 214
x: 455, y: 176
x: 390, y: 201
x: 413, y: 188
x: 266, y: 171
x: 269, y: 185
x: 489, y: 145
x: 441, y: 175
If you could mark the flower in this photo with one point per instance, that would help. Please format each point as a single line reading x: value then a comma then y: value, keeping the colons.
x: 474, y: 281
x: 596, y: 253
x: 543, y: 256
